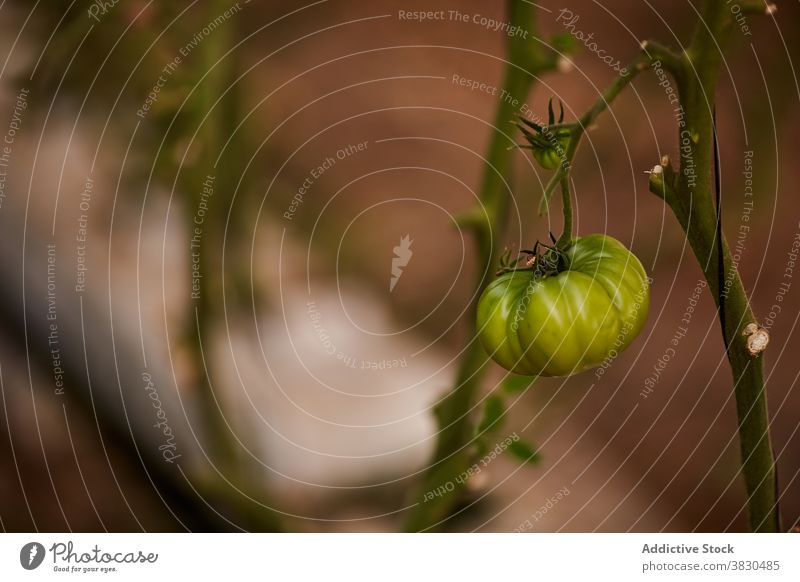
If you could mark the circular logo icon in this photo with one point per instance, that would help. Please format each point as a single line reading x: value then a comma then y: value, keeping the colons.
x: 31, y: 555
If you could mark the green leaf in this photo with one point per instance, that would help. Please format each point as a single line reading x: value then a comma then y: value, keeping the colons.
x: 532, y: 124
x: 524, y: 452
x: 514, y: 384
x: 493, y: 412
x: 532, y: 138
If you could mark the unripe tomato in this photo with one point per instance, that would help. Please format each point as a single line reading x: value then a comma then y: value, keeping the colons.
x: 551, y: 156
x: 563, y: 322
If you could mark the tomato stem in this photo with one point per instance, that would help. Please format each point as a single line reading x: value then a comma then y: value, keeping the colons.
x: 688, y: 194
x: 693, y: 207
x: 565, y: 240
x: 691, y: 201
x: 454, y: 451
x: 651, y: 52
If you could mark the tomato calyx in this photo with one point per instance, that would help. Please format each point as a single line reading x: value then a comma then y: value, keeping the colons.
x: 544, y: 260
x: 548, y: 143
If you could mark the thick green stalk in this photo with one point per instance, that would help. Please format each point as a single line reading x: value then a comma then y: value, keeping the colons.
x: 688, y: 192
x: 204, y: 312
x: 222, y: 450
x: 565, y: 240
x: 690, y: 197
x: 453, y: 454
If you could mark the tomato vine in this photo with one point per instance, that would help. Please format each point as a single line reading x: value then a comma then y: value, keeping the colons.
x: 696, y: 71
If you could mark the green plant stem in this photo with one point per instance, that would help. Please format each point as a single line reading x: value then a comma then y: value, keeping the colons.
x: 690, y: 196
x: 453, y: 454
x: 220, y: 446
x: 565, y: 239
x: 688, y: 193
x: 651, y: 52
x: 229, y: 485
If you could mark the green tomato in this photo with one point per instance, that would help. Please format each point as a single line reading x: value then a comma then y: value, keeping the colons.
x: 551, y: 157
x: 565, y: 322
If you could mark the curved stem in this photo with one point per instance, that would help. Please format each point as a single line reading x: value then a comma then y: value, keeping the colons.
x: 579, y: 128
x: 688, y: 192
x: 565, y: 239
x: 689, y: 195
x: 703, y: 61
x: 453, y: 455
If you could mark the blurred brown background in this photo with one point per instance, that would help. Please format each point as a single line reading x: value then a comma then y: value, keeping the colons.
x: 327, y: 446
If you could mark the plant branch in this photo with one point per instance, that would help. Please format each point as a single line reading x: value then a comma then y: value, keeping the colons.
x: 665, y: 56
x: 229, y: 483
x: 689, y: 195
x: 566, y: 199
x: 688, y: 192
x: 704, y: 60
x: 648, y: 55
x: 453, y: 454
x: 757, y: 7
